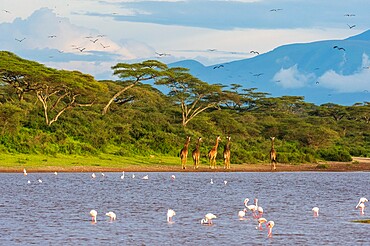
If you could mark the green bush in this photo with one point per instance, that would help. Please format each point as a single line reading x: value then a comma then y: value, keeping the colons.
x: 335, y: 154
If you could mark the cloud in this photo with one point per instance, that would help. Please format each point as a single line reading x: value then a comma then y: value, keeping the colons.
x: 292, y: 78
x: 51, y: 39
x: 226, y: 15
x: 356, y: 82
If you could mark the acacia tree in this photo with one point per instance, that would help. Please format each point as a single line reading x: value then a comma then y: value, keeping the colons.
x: 133, y: 74
x: 22, y: 75
x: 65, y: 90
x: 57, y: 90
x: 193, y: 95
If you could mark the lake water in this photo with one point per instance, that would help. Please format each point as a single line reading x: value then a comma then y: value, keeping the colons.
x: 56, y: 211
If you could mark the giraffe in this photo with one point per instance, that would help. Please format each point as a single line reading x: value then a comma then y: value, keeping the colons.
x: 227, y: 153
x: 212, y: 154
x: 184, y: 153
x: 273, y: 155
x: 196, y: 153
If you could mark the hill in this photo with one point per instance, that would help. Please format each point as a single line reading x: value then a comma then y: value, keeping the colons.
x: 334, y: 71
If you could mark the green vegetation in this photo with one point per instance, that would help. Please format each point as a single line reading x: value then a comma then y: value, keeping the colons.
x: 54, y: 113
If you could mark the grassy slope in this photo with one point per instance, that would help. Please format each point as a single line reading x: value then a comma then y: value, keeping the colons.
x: 32, y: 161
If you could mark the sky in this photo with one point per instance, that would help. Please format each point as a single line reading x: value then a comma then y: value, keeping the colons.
x: 93, y: 35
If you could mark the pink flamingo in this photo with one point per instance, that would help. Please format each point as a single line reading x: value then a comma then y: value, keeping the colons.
x: 93, y: 214
x: 270, y: 225
x: 260, y: 222
x: 315, y: 211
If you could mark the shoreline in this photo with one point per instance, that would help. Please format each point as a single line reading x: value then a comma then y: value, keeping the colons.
x: 358, y: 164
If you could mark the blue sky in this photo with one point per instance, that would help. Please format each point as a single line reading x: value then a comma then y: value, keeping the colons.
x: 93, y: 35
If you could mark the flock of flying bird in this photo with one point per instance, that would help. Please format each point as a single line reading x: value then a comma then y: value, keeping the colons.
x: 255, y: 210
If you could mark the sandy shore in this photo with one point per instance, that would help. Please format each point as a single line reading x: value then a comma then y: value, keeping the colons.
x: 358, y: 164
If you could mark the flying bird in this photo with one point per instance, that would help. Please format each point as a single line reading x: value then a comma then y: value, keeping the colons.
x: 6, y: 11
x: 351, y: 26
x: 20, y: 40
x: 339, y: 48
x: 254, y: 52
x: 219, y: 66
x: 275, y: 10
x: 94, y: 41
x: 80, y: 49
x: 104, y: 47
x: 52, y: 36
x: 349, y: 15
x: 258, y: 74
x: 162, y: 54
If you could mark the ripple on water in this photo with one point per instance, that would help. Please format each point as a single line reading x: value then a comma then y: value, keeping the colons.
x: 57, y: 210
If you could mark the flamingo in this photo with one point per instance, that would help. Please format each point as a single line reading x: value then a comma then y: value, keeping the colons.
x: 361, y: 205
x: 225, y: 182
x: 362, y: 208
x: 260, y: 222
x: 252, y: 207
x: 24, y: 172
x: 260, y: 212
x: 315, y: 212
x: 241, y: 214
x: 211, y: 181
x: 208, y: 219
x: 111, y: 215
x: 145, y: 177
x: 270, y: 225
x: 123, y: 175
x: 133, y: 176
x: 40, y: 181
x: 362, y: 200
x: 170, y: 214
x: 103, y: 175
x: 55, y: 173
x: 93, y: 214
x: 173, y: 177
x: 93, y: 175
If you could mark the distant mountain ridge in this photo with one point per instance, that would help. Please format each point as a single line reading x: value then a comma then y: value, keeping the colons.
x: 323, y: 71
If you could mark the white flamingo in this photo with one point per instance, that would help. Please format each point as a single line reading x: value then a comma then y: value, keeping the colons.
x: 170, y: 214
x: 252, y: 207
x: 241, y: 214
x: 55, y: 173
x: 93, y: 214
x: 362, y: 200
x: 270, y: 225
x: 111, y: 215
x: 24, y: 172
x: 361, y: 205
x: 145, y: 177
x: 133, y: 176
x: 260, y: 212
x: 211, y: 181
x: 123, y: 175
x: 93, y: 175
x: 207, y: 220
x: 315, y: 211
x: 362, y: 208
x: 173, y: 177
